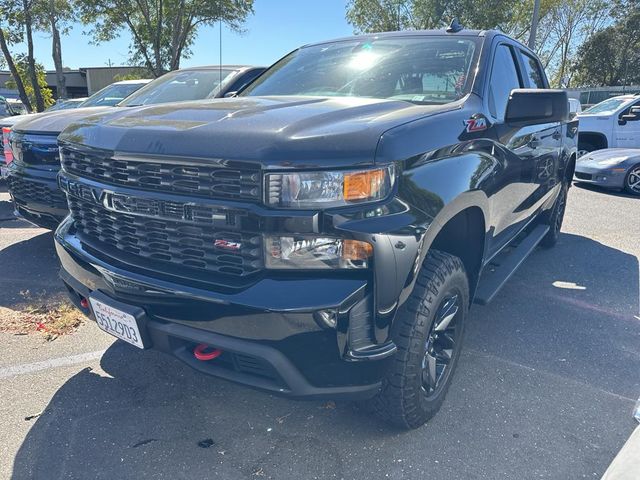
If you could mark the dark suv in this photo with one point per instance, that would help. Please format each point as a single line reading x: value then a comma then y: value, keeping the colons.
x: 32, y: 174
x: 324, y: 234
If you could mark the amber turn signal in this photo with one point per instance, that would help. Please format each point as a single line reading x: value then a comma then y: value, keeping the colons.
x: 363, y: 185
x: 356, y: 250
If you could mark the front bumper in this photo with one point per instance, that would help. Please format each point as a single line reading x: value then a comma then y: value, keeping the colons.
x: 271, y: 333
x: 35, y: 194
x: 598, y: 176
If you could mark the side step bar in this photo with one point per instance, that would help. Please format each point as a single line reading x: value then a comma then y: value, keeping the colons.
x: 499, y: 270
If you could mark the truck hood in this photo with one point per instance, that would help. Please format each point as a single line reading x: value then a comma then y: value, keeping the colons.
x: 276, y: 131
x: 52, y: 123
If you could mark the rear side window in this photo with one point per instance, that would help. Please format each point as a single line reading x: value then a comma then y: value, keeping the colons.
x: 504, y: 78
x: 532, y: 71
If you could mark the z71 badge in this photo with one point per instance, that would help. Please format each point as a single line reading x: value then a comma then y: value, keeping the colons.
x: 476, y: 124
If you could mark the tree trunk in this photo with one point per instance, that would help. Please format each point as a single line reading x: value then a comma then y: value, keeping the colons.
x: 14, y: 71
x: 33, y: 74
x: 56, y: 53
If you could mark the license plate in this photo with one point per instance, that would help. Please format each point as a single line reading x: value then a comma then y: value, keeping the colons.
x: 116, y: 322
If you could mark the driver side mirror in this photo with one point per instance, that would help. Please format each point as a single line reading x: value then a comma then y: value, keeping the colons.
x: 632, y: 115
x: 528, y: 106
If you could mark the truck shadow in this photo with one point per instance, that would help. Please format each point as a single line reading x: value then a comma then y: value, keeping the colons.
x: 565, y: 320
x: 29, y: 272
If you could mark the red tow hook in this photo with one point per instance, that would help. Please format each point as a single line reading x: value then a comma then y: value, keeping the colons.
x: 84, y: 303
x: 201, y: 354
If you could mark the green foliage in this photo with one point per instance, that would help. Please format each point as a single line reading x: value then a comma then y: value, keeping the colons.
x: 162, y: 30
x: 22, y: 66
x: 386, y: 15
x: 611, y: 56
x: 135, y: 75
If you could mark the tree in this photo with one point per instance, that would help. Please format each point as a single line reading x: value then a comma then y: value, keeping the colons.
x: 611, y: 56
x: 386, y: 15
x: 162, y: 31
x: 24, y: 98
x: 56, y: 17
x: 28, y: 7
x: 23, y: 66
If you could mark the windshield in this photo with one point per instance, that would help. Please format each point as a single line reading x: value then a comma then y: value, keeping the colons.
x: 111, y: 94
x: 181, y: 86
x: 607, y: 107
x: 64, y: 105
x: 423, y: 70
x: 4, y: 109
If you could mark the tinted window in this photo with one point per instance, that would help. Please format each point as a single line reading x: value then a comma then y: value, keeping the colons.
x: 504, y: 78
x: 423, y: 70
x: 110, y: 95
x: 607, y: 107
x: 180, y: 86
x: 533, y: 71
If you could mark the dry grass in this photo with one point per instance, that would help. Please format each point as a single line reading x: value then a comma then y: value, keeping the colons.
x: 48, y: 320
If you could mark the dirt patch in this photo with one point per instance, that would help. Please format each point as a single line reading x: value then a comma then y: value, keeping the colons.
x: 51, y: 321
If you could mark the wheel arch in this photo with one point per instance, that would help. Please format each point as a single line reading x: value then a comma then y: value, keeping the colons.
x: 597, y: 139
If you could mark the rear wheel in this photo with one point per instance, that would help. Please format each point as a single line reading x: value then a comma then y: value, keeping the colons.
x: 632, y: 180
x: 555, y: 218
x: 428, y: 332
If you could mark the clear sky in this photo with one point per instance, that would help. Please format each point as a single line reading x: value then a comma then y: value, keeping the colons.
x: 277, y: 27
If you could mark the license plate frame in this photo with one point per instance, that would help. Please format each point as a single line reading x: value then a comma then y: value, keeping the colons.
x: 120, y: 320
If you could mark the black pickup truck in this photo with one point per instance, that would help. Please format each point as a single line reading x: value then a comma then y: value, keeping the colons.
x: 324, y: 233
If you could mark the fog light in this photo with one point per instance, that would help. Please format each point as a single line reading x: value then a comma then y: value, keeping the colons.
x: 326, y: 318
x: 303, y: 252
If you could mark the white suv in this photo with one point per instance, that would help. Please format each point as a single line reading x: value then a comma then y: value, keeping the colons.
x: 609, y: 124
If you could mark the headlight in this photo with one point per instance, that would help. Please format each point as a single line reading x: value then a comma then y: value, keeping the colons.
x: 301, y: 252
x: 327, y: 189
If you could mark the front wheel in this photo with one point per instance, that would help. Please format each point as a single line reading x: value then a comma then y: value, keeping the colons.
x: 632, y: 180
x: 428, y: 332
x: 555, y: 218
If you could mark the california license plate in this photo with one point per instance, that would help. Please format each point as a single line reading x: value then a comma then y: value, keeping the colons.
x: 116, y: 322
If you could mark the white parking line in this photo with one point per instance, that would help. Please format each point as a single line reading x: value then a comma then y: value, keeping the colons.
x: 26, y: 368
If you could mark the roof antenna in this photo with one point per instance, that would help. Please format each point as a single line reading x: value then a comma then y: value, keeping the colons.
x: 454, y: 26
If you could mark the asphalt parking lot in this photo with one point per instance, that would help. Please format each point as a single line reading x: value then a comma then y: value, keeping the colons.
x: 544, y: 389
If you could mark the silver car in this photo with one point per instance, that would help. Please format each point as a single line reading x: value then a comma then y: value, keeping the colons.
x: 617, y: 168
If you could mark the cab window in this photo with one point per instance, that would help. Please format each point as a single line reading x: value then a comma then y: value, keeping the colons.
x: 504, y: 78
x: 532, y: 71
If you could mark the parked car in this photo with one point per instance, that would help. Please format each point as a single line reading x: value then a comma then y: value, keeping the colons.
x: 8, y: 108
x: 66, y: 104
x: 323, y: 234
x: 613, y: 123
x: 615, y: 168
x: 32, y: 174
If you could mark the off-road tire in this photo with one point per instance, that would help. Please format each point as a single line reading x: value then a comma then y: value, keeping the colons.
x: 402, y: 400
x: 555, y: 217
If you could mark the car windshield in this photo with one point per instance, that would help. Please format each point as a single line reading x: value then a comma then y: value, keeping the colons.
x: 607, y: 107
x: 110, y: 95
x: 64, y: 105
x: 422, y: 70
x: 181, y: 86
x: 4, y: 109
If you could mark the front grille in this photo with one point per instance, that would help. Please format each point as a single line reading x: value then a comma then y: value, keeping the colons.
x: 27, y: 192
x: 217, y: 179
x: 583, y: 176
x: 197, y: 248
